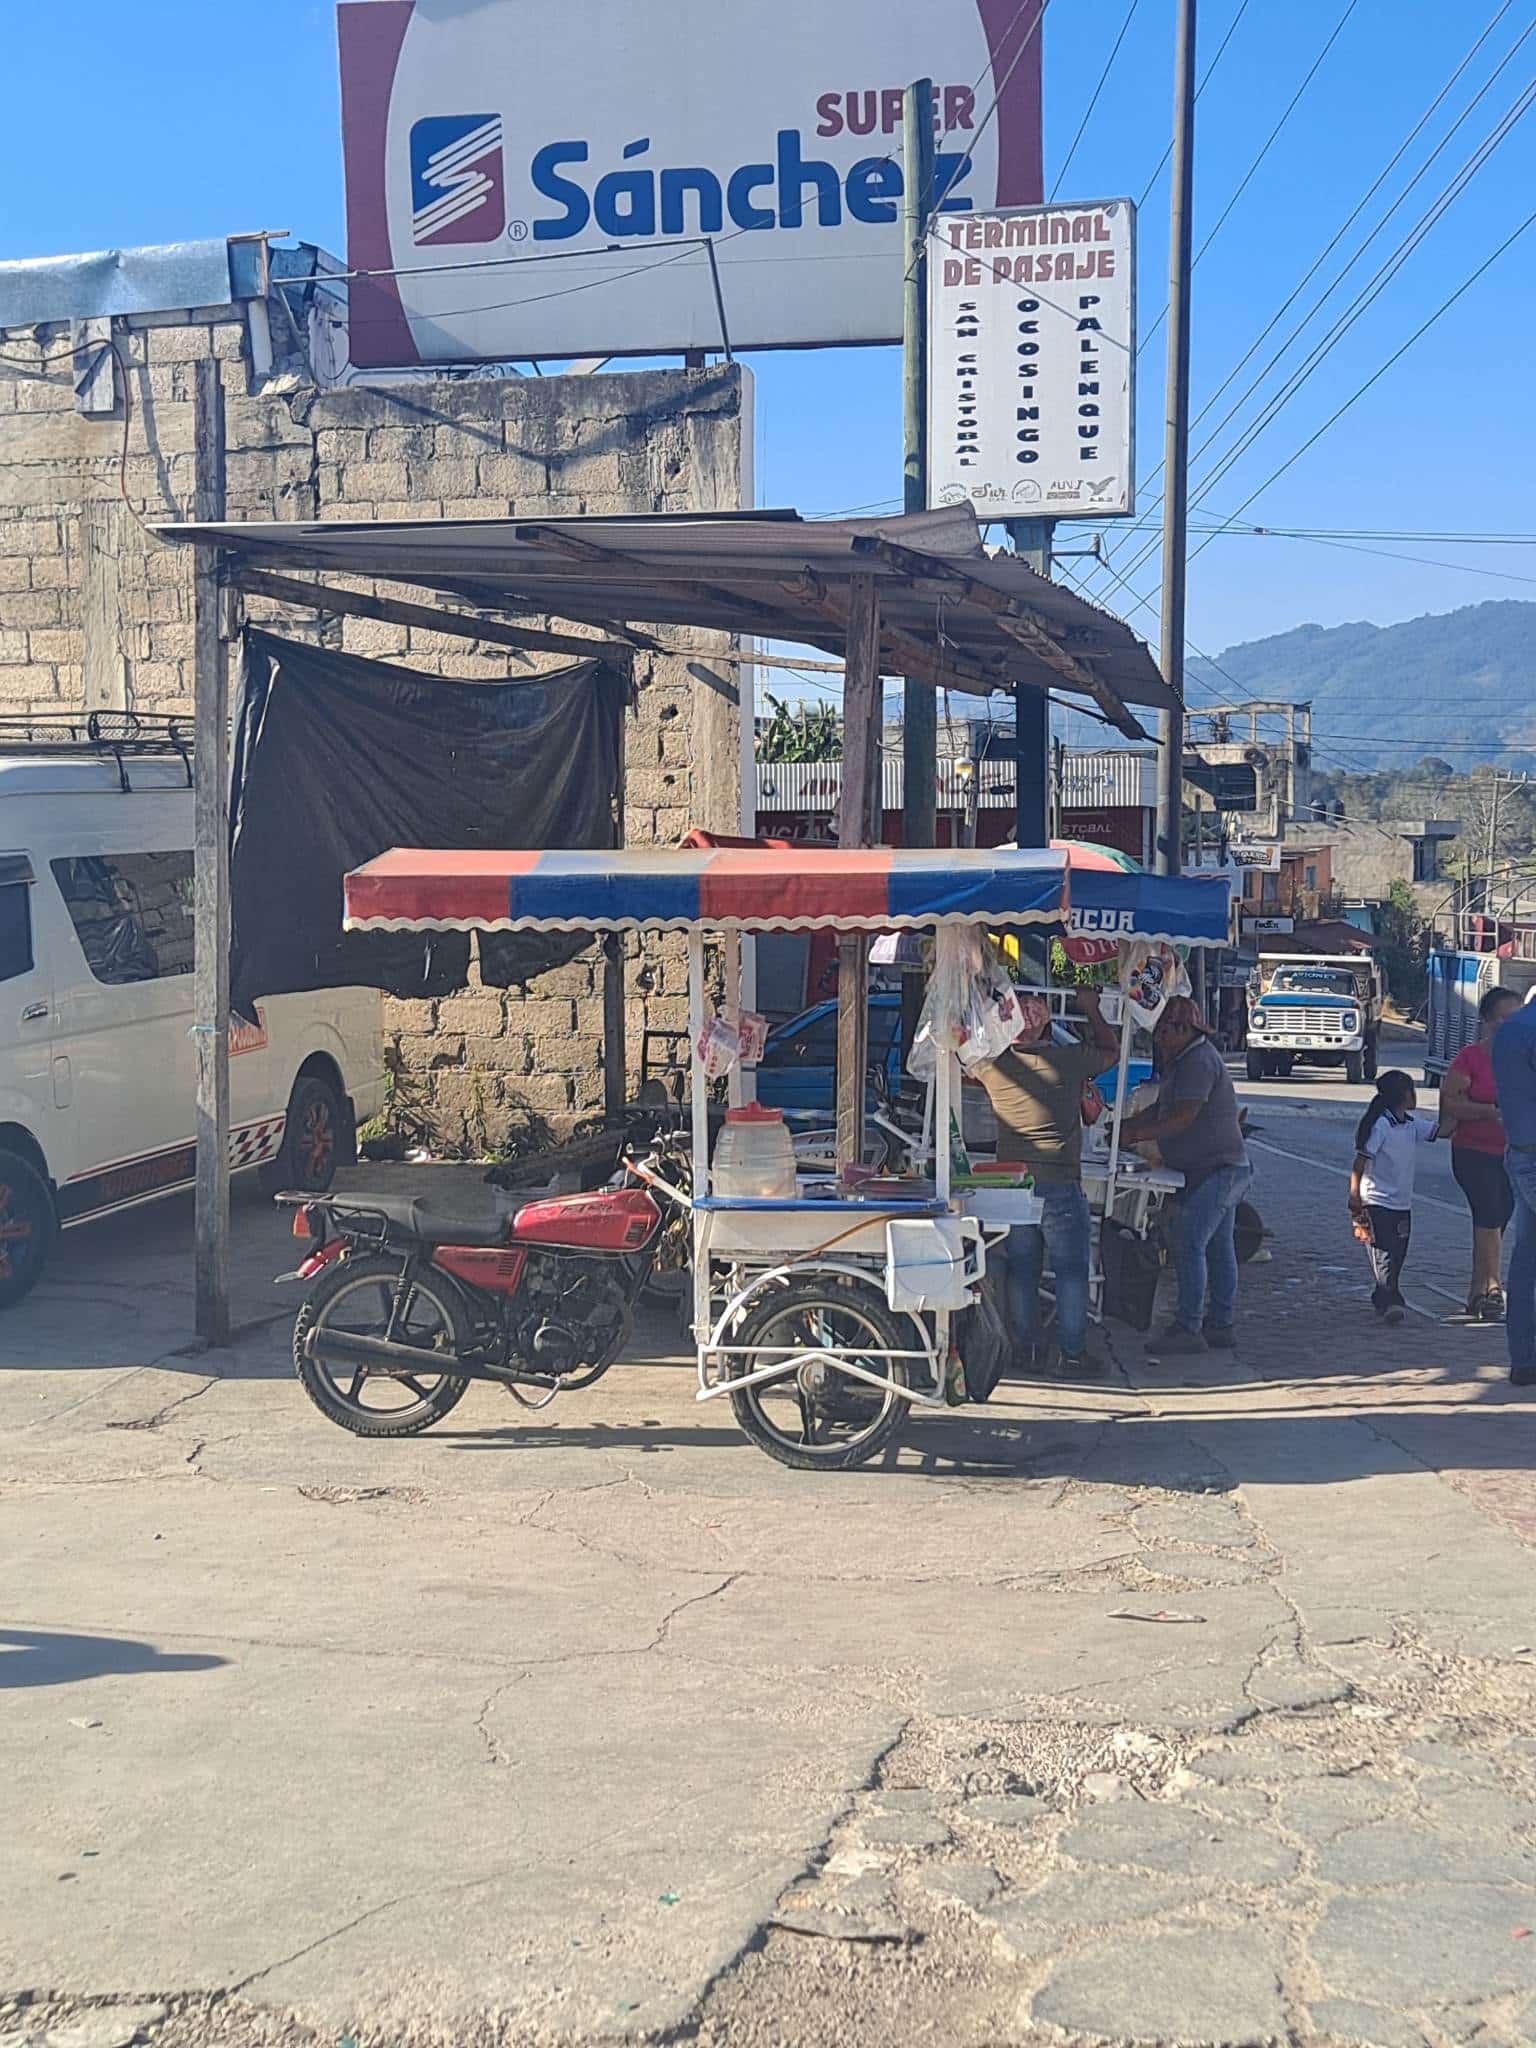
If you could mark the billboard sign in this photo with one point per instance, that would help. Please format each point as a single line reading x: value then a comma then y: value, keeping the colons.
x: 541, y: 181
x: 1032, y: 359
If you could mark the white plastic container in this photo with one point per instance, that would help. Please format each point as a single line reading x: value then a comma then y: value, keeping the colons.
x: 932, y: 1261
x: 754, y: 1157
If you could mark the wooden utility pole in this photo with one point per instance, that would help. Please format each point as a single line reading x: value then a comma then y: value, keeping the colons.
x: 1170, y: 787
x: 861, y: 782
x: 210, y: 970
x: 919, y: 707
x: 919, y: 700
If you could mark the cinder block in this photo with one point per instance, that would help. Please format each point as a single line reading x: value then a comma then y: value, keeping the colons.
x: 13, y: 645
x: 55, y: 572
x: 375, y: 480
x: 542, y: 1093
x: 505, y: 1055
x: 511, y: 475
x: 31, y: 607
x: 187, y: 344
x: 26, y: 535
x: 372, y: 636
x: 539, y: 1016
x: 441, y: 477
x: 15, y: 572
x: 478, y: 1013
x: 342, y: 445
x: 61, y: 644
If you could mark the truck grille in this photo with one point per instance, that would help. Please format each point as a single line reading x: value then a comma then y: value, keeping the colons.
x: 1311, y: 1023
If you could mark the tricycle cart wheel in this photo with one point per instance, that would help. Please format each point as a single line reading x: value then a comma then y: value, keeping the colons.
x: 818, y: 1418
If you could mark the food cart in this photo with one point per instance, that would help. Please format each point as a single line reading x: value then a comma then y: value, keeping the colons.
x: 824, y: 1314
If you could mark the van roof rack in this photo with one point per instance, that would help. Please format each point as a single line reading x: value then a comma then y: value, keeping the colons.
x: 118, y: 735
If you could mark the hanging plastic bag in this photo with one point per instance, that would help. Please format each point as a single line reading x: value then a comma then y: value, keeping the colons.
x: 1150, y: 974
x: 729, y: 1036
x: 972, y: 1008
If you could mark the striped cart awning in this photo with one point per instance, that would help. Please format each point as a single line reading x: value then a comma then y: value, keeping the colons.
x: 740, y: 888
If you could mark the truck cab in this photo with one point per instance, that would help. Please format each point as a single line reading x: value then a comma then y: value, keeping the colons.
x: 1327, y: 1011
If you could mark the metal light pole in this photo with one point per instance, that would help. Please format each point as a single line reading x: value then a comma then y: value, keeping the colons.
x: 1170, y: 787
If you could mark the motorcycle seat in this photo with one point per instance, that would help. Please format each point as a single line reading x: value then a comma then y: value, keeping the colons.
x: 469, y: 1216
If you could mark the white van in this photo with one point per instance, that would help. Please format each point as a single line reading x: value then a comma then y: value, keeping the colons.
x: 97, y: 1064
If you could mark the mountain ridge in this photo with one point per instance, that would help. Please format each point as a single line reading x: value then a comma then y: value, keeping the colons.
x: 1460, y: 685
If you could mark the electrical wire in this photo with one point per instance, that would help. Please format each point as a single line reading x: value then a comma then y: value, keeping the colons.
x: 1312, y: 269
x: 1109, y: 65
x: 1162, y: 162
x: 1372, y: 290
x: 1268, y: 144
x: 1375, y: 378
x: 936, y: 211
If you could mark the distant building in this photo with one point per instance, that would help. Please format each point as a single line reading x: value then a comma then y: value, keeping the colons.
x: 1253, y: 760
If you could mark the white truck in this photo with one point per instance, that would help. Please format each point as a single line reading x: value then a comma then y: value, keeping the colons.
x: 1325, y: 1008
x: 97, y: 1064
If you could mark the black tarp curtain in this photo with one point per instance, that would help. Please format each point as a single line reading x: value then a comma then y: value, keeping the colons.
x: 338, y: 758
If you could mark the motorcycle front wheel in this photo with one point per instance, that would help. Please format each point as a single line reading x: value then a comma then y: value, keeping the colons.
x: 362, y: 1297
x: 817, y: 1418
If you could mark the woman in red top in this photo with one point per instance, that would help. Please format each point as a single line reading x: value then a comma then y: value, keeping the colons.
x: 1469, y: 1103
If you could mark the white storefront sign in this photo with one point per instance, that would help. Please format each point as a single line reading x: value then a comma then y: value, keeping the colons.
x: 532, y: 180
x: 1032, y: 386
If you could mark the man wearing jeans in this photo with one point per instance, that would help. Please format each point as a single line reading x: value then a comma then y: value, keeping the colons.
x: 1036, y: 1091
x: 1195, y: 1127
x: 1514, y: 1081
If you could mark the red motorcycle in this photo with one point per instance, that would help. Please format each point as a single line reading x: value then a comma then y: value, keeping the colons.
x: 413, y: 1296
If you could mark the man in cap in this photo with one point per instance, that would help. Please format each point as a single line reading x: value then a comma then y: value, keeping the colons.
x: 1195, y: 1126
x: 1036, y: 1092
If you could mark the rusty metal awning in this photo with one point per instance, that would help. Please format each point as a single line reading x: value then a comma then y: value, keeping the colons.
x: 950, y: 613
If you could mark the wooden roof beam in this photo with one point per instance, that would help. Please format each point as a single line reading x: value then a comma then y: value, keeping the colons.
x: 428, y: 618
x: 907, y: 656
x: 1032, y: 631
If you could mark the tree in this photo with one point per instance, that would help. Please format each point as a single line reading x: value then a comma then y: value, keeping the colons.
x: 1402, y: 947
x: 813, y: 732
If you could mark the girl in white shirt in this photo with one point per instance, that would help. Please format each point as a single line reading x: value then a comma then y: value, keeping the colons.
x: 1381, y: 1185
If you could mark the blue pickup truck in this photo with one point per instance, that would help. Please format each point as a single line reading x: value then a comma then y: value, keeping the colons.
x: 798, y: 1070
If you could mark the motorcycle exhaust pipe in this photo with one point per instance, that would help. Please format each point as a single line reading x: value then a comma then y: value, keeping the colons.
x: 347, y: 1347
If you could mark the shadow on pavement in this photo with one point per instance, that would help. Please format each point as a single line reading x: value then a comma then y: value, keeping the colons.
x: 30, y: 1657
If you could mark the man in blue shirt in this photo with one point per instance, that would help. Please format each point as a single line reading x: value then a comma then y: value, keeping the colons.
x: 1514, y: 1080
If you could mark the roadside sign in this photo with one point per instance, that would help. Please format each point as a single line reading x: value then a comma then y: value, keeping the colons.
x: 1032, y: 358
x: 1255, y: 926
x: 540, y: 181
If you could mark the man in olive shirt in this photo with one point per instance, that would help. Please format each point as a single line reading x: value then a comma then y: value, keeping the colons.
x: 1036, y: 1092
x: 1196, y: 1128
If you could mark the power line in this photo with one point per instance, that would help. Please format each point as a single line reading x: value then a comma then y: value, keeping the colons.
x: 1162, y: 162
x: 1397, y: 355
x: 1109, y: 65
x: 1372, y: 290
x: 997, y: 98
x: 1322, y: 298
x: 1269, y: 143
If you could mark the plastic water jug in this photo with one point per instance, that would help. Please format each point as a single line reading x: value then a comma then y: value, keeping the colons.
x: 754, y: 1156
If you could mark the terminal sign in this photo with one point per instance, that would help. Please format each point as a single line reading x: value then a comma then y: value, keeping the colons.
x: 1031, y: 389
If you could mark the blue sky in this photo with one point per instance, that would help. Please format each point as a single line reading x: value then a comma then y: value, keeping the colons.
x: 187, y: 118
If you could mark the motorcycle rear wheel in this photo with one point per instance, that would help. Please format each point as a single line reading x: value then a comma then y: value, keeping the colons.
x: 356, y: 1297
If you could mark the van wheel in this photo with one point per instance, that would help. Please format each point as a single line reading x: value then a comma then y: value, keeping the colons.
x: 1258, y: 1067
x: 317, y: 1138
x: 1354, y: 1068
x: 27, y: 1226
x: 1370, y: 1059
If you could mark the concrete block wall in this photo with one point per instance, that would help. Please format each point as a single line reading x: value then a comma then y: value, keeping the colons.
x: 476, y: 1066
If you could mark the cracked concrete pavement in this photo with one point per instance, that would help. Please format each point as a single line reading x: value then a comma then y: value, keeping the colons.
x: 1187, y: 1708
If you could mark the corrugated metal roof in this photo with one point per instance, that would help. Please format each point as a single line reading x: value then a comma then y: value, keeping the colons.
x: 1089, y: 782
x: 163, y: 279
x: 974, y: 621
